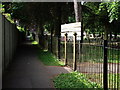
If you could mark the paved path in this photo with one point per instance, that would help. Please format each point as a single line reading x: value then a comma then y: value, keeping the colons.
x: 27, y: 71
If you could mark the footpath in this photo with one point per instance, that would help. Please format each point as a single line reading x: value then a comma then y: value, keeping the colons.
x: 26, y: 71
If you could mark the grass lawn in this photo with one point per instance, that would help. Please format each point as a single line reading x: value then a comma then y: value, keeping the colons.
x: 74, y: 80
x: 113, y: 79
x: 94, y: 53
x: 49, y: 59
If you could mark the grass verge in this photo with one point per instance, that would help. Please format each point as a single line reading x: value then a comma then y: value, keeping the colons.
x: 49, y: 59
x: 74, y: 80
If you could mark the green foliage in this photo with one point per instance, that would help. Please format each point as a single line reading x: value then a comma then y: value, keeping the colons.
x: 1, y: 8
x: 34, y: 14
x: 20, y: 28
x: 71, y: 19
x: 67, y: 13
x: 99, y: 15
x: 74, y: 80
x: 111, y: 9
x: 47, y: 27
x: 8, y: 17
x: 91, y: 17
x: 113, y: 79
x: 34, y: 42
x: 96, y: 15
x: 49, y: 59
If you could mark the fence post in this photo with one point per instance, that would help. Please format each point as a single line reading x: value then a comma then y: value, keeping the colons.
x: 105, y: 66
x: 66, y: 48
x: 118, y: 68
x: 74, y: 51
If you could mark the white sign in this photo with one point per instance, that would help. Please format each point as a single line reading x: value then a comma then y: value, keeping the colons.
x: 71, y: 28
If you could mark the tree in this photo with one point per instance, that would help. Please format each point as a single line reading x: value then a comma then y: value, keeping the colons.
x: 78, y: 15
x: 77, y: 9
x: 100, y: 16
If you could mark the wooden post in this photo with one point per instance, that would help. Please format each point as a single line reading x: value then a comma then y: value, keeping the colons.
x: 74, y: 51
x: 66, y: 48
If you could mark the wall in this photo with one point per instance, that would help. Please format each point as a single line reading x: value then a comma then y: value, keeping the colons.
x: 9, y: 42
x: 10, y: 38
x: 0, y: 52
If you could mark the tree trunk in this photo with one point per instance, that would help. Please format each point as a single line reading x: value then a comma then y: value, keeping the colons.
x: 58, y: 26
x: 110, y: 36
x: 115, y: 35
x: 94, y: 34
x: 77, y: 9
x: 78, y: 17
x: 106, y: 32
x: 51, y: 48
x: 41, y: 35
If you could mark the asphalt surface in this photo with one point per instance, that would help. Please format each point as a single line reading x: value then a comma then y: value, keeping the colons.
x: 26, y: 71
